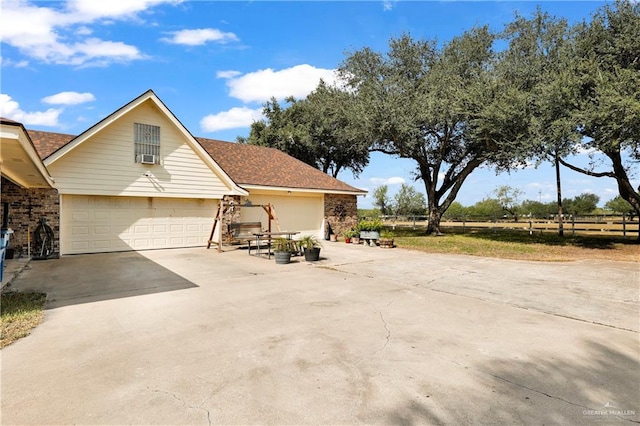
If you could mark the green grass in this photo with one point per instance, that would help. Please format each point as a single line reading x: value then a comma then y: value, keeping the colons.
x: 521, y: 245
x: 19, y: 314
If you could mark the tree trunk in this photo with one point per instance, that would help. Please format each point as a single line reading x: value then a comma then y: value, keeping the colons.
x: 559, y: 191
x: 627, y: 192
x: 433, y: 227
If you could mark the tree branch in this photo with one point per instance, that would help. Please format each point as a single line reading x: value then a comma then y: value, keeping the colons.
x: 586, y: 172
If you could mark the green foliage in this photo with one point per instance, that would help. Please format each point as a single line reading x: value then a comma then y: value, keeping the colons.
x: 317, y: 130
x: 619, y: 205
x: 351, y: 233
x: 373, y: 213
x: 309, y: 242
x: 381, y: 199
x: 284, y: 245
x: 508, y: 198
x: 538, y: 209
x: 606, y: 67
x: 456, y: 211
x: 489, y: 208
x: 440, y: 105
x: 582, y: 204
x: 408, y: 201
x: 374, y: 225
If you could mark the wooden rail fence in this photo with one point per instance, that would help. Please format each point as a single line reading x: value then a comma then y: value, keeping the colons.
x: 618, y: 226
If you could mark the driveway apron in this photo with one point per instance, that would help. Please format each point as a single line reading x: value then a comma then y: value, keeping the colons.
x: 364, y: 336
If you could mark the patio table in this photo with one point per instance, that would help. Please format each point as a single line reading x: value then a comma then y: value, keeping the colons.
x: 268, y: 236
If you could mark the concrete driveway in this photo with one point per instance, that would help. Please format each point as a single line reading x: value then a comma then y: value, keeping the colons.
x: 364, y: 336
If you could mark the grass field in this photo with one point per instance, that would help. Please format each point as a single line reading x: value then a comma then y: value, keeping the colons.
x: 19, y: 314
x: 521, y: 245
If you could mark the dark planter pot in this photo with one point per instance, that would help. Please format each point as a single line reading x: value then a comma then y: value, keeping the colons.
x: 312, y: 255
x: 282, y: 257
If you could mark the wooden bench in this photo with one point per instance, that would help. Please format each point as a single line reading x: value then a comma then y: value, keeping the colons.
x: 243, y: 232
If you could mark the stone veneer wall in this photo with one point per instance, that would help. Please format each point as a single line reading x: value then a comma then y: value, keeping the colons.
x: 341, y: 212
x: 232, y: 215
x: 26, y: 207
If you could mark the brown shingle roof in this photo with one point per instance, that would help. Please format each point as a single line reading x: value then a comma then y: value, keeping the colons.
x: 258, y: 165
x: 47, y: 143
x: 245, y: 164
x: 7, y: 121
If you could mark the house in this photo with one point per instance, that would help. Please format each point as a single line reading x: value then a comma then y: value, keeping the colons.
x: 139, y: 180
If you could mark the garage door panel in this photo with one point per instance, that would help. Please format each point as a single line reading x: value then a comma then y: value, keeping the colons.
x: 92, y: 224
x: 102, y: 244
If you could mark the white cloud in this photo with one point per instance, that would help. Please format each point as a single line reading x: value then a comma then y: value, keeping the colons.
x: 262, y: 85
x: 228, y: 74
x: 232, y: 119
x: 11, y: 109
x: 84, y: 31
x: 395, y: 180
x: 200, y: 37
x: 91, y: 9
x: 11, y: 63
x: 59, y: 36
x: 69, y: 98
x: 387, y: 5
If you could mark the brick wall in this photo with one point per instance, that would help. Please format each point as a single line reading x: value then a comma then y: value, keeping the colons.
x: 341, y: 212
x: 26, y: 207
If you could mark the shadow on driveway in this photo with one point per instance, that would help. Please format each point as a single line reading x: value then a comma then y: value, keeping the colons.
x: 87, y: 278
x: 601, y: 386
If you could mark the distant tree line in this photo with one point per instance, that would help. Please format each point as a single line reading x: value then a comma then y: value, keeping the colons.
x: 504, y: 203
x: 540, y: 90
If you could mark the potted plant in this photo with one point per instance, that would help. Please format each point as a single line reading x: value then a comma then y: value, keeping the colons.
x: 350, y: 234
x: 311, y: 247
x: 282, y: 249
x: 370, y: 229
x: 386, y: 239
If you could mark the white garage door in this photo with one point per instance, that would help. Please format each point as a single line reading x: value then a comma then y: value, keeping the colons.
x: 93, y: 224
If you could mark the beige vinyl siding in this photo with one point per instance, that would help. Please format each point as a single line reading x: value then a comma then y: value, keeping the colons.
x: 105, y: 164
x: 302, y: 213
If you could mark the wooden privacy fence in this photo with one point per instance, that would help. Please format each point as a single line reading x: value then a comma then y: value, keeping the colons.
x: 618, y: 226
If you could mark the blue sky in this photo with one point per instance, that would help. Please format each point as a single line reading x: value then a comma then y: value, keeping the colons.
x: 68, y: 64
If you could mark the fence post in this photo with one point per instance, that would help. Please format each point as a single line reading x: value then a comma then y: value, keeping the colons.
x: 464, y: 225
x: 530, y: 227
x: 624, y: 226
x: 414, y: 222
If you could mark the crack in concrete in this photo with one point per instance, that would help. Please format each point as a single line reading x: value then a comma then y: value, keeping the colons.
x: 184, y: 403
x: 384, y: 323
x: 526, y: 308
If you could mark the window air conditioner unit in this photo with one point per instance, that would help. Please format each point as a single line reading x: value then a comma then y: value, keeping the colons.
x: 148, y: 159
